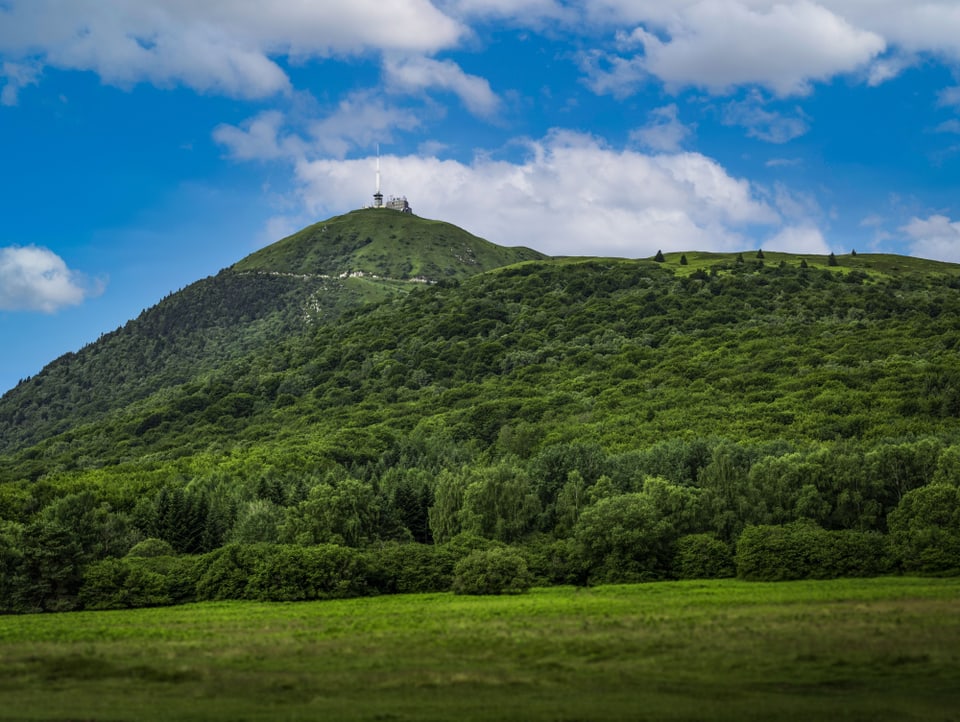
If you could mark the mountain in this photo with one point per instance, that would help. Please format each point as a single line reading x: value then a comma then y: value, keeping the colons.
x: 332, y: 417
x: 311, y: 277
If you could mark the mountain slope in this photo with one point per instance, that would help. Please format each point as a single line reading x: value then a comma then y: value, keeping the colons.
x: 620, y: 352
x: 278, y: 291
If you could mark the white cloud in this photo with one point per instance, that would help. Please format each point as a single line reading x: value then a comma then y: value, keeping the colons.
x: 664, y: 132
x: 415, y: 74
x: 783, y: 162
x: 529, y: 12
x: 798, y: 239
x: 798, y: 207
x: 949, y: 96
x: 18, y: 76
x: 782, y: 45
x: 764, y: 124
x: 37, y: 279
x: 359, y: 120
x: 887, y: 68
x: 934, y: 237
x: 609, y: 74
x: 258, y: 138
x: 571, y: 196
x: 948, y: 126
x: 222, y: 46
x: 721, y: 44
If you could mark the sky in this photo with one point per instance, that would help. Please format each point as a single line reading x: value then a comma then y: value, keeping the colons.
x: 145, y: 144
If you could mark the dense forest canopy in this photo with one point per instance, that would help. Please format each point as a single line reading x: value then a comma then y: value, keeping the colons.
x: 276, y: 432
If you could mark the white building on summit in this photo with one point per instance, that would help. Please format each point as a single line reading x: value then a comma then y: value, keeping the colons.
x: 394, y: 203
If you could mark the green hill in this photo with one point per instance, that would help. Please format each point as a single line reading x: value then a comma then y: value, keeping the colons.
x: 386, y: 245
x: 311, y: 277
x: 609, y: 419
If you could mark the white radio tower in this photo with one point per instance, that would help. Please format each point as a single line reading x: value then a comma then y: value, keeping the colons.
x: 378, y: 196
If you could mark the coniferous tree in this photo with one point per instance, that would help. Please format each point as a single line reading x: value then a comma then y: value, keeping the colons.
x: 659, y: 257
x: 832, y: 260
x: 683, y: 260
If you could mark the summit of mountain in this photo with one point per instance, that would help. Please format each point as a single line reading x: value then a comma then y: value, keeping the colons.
x: 381, y: 243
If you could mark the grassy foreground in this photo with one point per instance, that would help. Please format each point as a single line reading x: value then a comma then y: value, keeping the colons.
x: 877, y: 649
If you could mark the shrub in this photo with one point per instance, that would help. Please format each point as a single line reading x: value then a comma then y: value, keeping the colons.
x: 224, y: 573
x: 499, y: 570
x: 293, y: 573
x: 702, y: 556
x: 398, y: 568
x: 118, y: 584
x: 151, y: 547
x: 138, y: 582
x: 802, y: 550
x: 554, y: 561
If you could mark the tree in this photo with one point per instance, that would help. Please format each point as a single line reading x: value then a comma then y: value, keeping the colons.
x: 500, y: 503
x: 702, y: 556
x: 760, y: 253
x: 500, y: 570
x: 343, y: 512
x: 49, y: 575
x: 683, y: 259
x: 259, y: 521
x: 625, y: 538
x: 925, y: 529
x: 448, y: 496
x: 659, y: 257
x: 832, y: 260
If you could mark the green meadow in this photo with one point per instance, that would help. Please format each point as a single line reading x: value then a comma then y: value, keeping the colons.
x: 864, y: 649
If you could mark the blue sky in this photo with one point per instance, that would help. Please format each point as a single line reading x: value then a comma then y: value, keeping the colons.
x: 148, y: 143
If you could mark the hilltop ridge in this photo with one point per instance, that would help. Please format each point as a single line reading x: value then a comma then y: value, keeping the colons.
x: 386, y: 244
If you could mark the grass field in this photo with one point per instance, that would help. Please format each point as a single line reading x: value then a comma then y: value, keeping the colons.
x: 877, y: 649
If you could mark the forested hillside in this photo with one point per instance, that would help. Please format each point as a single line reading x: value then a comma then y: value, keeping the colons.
x: 549, y: 421
x: 306, y: 279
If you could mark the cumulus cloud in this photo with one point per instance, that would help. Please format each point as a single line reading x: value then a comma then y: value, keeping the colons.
x: 936, y: 236
x: 37, y: 279
x: 414, y: 74
x: 222, y: 46
x: 362, y: 119
x: 259, y: 138
x: 572, y: 195
x: 798, y: 239
x: 721, y: 44
x: 664, y: 132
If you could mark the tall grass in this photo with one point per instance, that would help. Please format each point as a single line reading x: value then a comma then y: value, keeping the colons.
x: 878, y: 649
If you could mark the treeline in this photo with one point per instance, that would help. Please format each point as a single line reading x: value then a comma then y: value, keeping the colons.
x: 571, y: 514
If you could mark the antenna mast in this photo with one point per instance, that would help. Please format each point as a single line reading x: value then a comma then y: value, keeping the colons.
x: 378, y: 196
